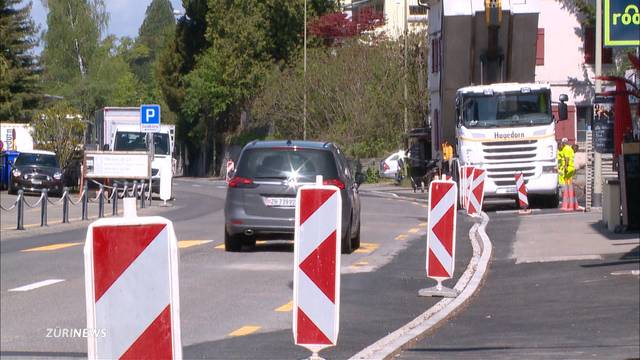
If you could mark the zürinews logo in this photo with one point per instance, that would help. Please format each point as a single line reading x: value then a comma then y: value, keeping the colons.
x: 621, y: 22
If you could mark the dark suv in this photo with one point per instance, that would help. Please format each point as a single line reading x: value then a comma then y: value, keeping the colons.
x: 262, y: 193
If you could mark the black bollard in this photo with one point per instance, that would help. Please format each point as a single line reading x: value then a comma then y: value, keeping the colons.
x: 114, y: 204
x: 85, y: 203
x: 20, y: 225
x: 101, y: 202
x: 43, y: 207
x: 142, y: 201
x: 65, y: 206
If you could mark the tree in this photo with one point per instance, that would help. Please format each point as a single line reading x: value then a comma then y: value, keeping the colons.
x: 336, y: 27
x: 156, y: 29
x: 60, y: 129
x: 73, y: 55
x: 19, y: 72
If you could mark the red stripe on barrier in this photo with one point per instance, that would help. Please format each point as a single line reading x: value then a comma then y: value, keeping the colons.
x: 312, y: 200
x: 439, y: 191
x: 308, y: 332
x: 435, y: 267
x: 115, y: 248
x: 155, y: 341
x: 443, y: 230
x: 320, y: 267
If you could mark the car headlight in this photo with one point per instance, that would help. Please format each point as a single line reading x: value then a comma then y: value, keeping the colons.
x: 16, y: 172
x: 57, y: 176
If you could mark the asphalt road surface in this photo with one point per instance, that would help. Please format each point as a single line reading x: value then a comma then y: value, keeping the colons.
x: 233, y: 305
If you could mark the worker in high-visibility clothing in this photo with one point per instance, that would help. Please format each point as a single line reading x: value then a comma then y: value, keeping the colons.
x: 566, y: 172
x: 447, y: 157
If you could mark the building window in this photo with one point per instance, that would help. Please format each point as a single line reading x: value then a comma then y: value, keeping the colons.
x: 435, y: 55
x: 583, y: 121
x: 589, y: 45
x: 540, y: 47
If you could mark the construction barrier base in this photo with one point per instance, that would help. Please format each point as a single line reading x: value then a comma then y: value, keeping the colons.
x: 314, y: 356
x: 438, y: 291
x: 524, y: 212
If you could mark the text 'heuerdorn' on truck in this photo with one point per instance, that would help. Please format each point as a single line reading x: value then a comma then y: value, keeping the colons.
x: 119, y: 129
x: 483, y: 97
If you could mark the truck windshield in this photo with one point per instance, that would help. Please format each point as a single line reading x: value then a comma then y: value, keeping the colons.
x: 130, y: 141
x: 506, y: 110
x: 137, y: 141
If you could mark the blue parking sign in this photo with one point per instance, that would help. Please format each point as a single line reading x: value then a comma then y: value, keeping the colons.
x: 150, y: 118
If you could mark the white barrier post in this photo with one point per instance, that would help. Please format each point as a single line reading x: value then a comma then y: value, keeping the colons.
x: 316, y: 272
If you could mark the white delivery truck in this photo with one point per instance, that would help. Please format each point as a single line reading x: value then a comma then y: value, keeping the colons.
x: 484, y: 97
x: 118, y: 129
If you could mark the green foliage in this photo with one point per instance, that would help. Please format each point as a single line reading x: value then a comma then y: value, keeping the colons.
x: 59, y: 128
x: 355, y: 96
x: 373, y: 176
x: 19, y: 74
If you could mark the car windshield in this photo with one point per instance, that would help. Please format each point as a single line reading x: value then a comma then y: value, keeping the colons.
x: 161, y: 143
x: 301, y: 164
x: 46, y: 160
x: 506, y: 109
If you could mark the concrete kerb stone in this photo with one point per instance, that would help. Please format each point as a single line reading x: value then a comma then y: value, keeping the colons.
x: 467, y: 286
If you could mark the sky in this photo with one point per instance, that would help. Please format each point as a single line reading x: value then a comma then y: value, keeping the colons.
x: 125, y: 16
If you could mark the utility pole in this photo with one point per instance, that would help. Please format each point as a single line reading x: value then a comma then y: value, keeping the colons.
x: 597, y: 188
x: 304, y: 118
x: 406, y: 52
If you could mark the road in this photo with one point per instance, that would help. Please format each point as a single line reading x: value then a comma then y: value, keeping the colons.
x: 233, y: 305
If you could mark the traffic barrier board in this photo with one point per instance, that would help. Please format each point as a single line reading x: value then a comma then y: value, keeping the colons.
x: 466, y: 177
x: 521, y: 187
x: 441, y: 229
x: 131, y: 287
x: 316, y: 275
x: 230, y: 169
x: 476, y: 192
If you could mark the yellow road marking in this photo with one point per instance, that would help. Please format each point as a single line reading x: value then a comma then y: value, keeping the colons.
x: 424, y: 206
x: 189, y: 243
x: 53, y: 247
x: 422, y: 224
x: 245, y: 330
x: 413, y: 230
x: 366, y: 248
x: 401, y: 237
x: 220, y: 247
x: 286, y: 307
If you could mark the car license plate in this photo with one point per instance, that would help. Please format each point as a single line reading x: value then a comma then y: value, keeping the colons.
x: 36, y: 182
x: 280, y: 202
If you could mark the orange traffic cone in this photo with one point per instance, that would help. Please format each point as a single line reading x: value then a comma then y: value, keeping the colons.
x: 565, y: 198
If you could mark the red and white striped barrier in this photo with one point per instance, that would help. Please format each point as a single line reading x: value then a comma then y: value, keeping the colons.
x: 522, y: 191
x: 466, y: 178
x: 230, y: 169
x: 131, y: 285
x: 316, y: 274
x: 476, y: 192
x: 441, y: 229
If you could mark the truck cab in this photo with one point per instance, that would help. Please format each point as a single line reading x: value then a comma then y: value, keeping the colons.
x: 160, y: 144
x: 508, y: 128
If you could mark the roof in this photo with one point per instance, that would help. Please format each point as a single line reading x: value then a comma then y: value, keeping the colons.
x: 504, y: 87
x: 288, y: 143
x: 42, y: 152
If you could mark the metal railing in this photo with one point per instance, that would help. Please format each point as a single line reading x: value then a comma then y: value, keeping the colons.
x: 111, y: 194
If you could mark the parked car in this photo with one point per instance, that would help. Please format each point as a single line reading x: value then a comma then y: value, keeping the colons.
x: 35, y: 170
x: 261, y: 195
x: 389, y: 167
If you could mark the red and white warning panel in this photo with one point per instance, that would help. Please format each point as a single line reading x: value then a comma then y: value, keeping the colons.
x: 316, y: 274
x: 441, y: 233
x: 131, y: 284
x: 523, y: 200
x: 476, y: 192
x: 466, y: 179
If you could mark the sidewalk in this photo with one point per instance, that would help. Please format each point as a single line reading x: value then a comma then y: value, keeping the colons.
x: 559, y: 287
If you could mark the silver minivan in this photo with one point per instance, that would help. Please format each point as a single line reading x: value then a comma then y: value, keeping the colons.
x: 261, y: 195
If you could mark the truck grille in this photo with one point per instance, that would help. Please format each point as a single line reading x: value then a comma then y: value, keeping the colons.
x: 505, y: 158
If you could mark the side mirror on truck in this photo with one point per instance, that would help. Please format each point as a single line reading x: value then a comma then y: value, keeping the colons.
x: 562, y: 108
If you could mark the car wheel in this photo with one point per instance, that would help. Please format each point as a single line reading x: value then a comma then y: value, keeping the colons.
x: 232, y: 242
x: 347, y: 248
x: 355, y: 242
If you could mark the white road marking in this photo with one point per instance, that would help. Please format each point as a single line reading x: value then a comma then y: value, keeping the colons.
x: 532, y: 259
x: 38, y: 284
x: 626, y: 272
x: 196, y: 185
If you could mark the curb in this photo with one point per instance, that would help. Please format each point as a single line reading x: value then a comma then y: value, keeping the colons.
x: 467, y: 285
